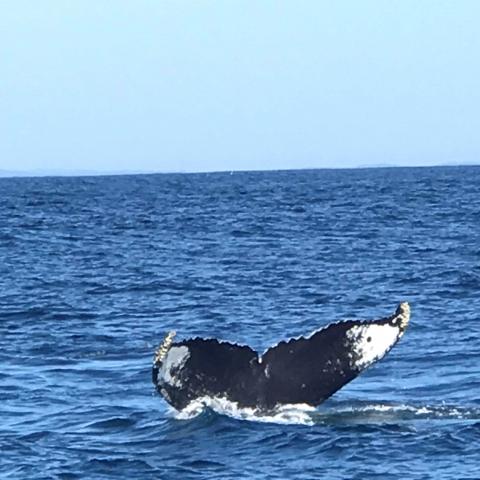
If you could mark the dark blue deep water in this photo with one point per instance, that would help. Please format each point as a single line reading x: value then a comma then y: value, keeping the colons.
x: 94, y: 271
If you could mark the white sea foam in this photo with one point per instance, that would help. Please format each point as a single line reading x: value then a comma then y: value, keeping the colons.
x: 431, y: 411
x: 403, y: 412
x: 302, y: 414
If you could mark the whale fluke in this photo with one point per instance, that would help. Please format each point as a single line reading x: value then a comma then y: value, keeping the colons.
x: 304, y: 370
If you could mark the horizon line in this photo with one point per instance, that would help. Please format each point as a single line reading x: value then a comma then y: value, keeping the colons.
x: 38, y: 173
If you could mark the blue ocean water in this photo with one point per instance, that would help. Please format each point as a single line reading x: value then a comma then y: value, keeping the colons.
x: 94, y: 271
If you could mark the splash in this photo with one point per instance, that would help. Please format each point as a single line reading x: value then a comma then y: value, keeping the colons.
x: 302, y: 414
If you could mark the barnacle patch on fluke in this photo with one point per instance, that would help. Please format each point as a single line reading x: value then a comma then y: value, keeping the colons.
x: 164, y: 346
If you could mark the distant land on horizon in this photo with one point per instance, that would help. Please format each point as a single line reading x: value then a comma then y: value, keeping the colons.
x: 97, y: 173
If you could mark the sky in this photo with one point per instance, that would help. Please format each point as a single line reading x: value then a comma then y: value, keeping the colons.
x: 156, y: 85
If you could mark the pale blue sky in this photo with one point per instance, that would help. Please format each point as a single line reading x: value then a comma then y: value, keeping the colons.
x: 226, y: 85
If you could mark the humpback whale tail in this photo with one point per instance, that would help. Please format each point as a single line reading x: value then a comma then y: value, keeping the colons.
x: 305, y: 370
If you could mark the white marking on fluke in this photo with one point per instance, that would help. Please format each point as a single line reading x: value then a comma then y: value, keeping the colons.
x: 174, y: 360
x: 370, y: 343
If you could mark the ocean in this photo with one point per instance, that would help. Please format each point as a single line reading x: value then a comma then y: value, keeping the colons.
x: 95, y: 270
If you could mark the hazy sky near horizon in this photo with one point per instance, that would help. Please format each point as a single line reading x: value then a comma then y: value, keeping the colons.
x: 226, y: 85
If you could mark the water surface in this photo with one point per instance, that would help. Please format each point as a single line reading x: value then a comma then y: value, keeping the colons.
x: 94, y: 271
